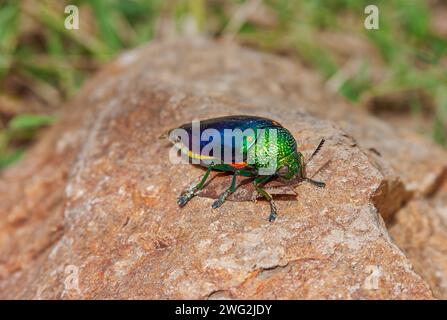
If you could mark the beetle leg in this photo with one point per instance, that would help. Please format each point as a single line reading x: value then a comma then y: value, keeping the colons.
x: 303, y: 175
x: 191, y: 192
x: 266, y: 195
x: 316, y: 183
x: 226, y: 193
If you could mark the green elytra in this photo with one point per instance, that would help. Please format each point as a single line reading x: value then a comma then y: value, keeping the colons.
x: 279, y: 148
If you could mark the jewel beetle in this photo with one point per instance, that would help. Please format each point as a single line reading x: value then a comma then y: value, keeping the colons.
x: 268, y: 143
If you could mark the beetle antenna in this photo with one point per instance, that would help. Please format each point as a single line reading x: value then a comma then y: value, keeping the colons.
x: 165, y: 134
x: 320, y: 145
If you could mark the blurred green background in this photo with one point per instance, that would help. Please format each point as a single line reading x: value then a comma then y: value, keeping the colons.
x: 397, y: 72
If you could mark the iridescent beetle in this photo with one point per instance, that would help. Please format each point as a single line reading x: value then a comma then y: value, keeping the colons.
x: 283, y: 149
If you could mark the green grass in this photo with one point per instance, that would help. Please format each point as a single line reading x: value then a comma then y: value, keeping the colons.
x: 21, y: 128
x: 42, y: 64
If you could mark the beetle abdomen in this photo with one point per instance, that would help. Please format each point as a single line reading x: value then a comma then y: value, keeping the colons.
x: 232, y: 150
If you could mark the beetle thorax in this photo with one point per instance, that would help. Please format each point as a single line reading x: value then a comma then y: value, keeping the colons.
x: 274, y: 147
x: 294, y: 164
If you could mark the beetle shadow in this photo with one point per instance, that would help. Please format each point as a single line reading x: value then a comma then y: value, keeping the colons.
x: 219, y: 181
x: 245, y: 190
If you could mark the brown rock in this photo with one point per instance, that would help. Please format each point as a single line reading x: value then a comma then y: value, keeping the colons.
x: 91, y: 211
x: 420, y: 229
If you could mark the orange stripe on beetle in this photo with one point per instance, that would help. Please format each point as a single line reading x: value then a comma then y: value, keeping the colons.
x: 238, y: 165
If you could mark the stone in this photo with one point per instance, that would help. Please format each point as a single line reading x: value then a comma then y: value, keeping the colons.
x: 91, y: 211
x: 420, y: 230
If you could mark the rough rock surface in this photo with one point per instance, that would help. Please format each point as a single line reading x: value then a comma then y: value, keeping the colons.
x: 420, y: 229
x: 91, y: 211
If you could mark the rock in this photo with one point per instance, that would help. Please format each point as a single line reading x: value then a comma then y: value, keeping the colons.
x: 412, y: 165
x: 91, y: 212
x: 420, y: 229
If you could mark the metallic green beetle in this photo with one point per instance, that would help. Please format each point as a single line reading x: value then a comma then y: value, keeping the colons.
x: 277, y: 144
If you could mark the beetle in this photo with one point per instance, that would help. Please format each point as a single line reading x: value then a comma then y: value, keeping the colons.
x: 277, y: 144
